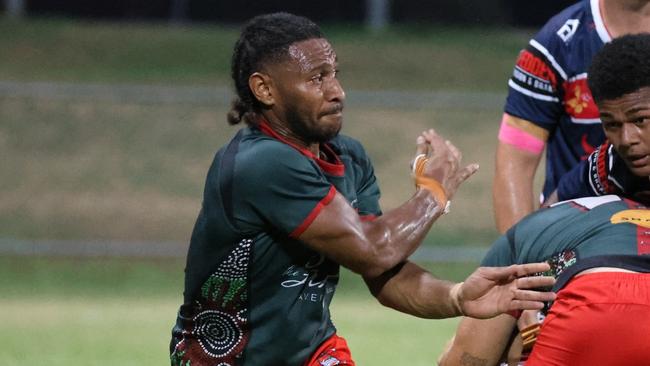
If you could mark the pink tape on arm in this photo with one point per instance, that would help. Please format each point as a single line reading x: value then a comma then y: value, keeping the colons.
x: 520, y: 139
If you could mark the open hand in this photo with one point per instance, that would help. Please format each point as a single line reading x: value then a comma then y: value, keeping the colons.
x: 490, y: 291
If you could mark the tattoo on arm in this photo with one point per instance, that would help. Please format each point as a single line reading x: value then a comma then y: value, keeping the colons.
x: 469, y: 360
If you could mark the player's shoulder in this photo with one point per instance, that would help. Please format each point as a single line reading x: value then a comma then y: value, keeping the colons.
x: 261, y: 152
x: 558, y: 52
x: 562, y: 217
x: 560, y: 31
x: 348, y: 146
x: 587, y: 203
x: 346, y: 142
x: 593, y: 209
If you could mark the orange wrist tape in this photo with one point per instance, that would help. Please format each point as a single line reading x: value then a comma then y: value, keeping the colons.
x: 434, y: 187
x: 429, y: 184
x: 419, y: 163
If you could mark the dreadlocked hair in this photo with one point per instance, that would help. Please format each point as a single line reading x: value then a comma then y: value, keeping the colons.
x: 620, y: 67
x: 265, y: 38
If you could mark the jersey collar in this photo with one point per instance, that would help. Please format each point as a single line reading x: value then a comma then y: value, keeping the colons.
x: 599, y: 21
x: 336, y: 168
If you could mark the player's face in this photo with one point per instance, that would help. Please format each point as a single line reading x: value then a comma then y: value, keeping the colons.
x: 626, y: 121
x: 308, y: 95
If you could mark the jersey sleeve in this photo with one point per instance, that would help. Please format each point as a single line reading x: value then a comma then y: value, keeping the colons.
x: 367, y: 188
x: 535, y: 87
x: 368, y: 197
x: 280, y: 189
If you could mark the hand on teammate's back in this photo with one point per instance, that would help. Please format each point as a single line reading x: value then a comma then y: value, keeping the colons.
x: 490, y: 291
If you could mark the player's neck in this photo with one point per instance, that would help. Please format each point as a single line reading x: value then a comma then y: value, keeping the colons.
x: 626, y: 16
x: 288, y: 136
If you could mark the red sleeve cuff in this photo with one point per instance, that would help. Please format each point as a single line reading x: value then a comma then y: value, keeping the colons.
x: 312, y: 215
x: 369, y: 217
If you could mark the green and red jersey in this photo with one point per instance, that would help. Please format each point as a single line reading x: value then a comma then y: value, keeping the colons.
x: 254, y: 294
x: 576, y: 235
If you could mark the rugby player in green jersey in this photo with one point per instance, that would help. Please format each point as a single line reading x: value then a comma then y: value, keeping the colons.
x: 598, y: 249
x: 289, y: 200
x: 599, y: 246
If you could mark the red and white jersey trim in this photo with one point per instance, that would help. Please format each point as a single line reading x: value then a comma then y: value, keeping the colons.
x: 531, y: 94
x: 549, y: 57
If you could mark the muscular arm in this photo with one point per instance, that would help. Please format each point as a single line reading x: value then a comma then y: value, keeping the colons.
x: 488, y: 291
x: 410, y: 289
x: 373, y: 247
x: 512, y: 189
x: 378, y: 249
x: 479, y: 342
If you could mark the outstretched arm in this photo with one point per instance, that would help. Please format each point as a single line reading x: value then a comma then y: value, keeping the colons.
x: 487, y: 292
x: 372, y: 248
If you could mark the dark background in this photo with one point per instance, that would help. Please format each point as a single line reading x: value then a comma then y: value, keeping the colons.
x: 478, y: 12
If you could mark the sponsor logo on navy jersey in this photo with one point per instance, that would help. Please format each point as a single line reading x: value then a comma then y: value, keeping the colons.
x: 532, y: 73
x: 567, y: 30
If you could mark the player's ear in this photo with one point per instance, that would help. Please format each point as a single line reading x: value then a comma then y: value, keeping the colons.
x: 261, y: 86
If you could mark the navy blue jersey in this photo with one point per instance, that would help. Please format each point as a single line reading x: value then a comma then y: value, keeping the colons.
x: 549, y: 87
x: 603, y: 172
x: 254, y: 294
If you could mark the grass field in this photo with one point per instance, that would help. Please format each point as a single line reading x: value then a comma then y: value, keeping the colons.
x: 84, y: 168
x: 120, y: 312
x: 421, y: 58
x: 103, y: 169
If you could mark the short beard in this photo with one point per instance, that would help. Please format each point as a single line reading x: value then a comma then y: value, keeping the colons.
x: 311, y: 135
